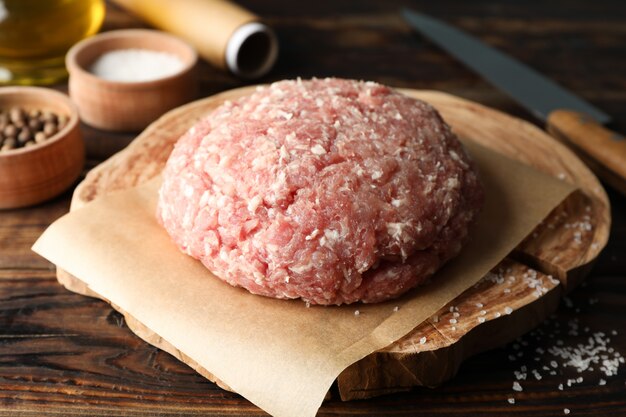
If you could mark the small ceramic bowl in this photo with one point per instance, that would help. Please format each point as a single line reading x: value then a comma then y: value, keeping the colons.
x: 129, y: 106
x: 37, y: 173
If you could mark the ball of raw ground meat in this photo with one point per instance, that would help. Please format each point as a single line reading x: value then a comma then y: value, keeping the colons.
x: 332, y: 191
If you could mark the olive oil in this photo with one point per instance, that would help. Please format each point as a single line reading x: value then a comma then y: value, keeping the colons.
x: 36, y: 34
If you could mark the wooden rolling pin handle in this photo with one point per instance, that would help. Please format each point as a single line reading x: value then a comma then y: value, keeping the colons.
x: 602, y: 149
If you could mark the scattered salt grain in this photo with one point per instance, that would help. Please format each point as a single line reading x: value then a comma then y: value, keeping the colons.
x: 508, y: 310
x: 136, y: 65
x: 481, y: 319
x: 422, y: 340
x: 357, y: 312
x: 511, y: 400
x: 396, y: 308
x: 566, y: 411
x: 581, y: 357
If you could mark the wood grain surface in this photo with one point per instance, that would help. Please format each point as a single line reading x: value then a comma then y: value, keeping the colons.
x: 64, y: 354
x: 508, y: 308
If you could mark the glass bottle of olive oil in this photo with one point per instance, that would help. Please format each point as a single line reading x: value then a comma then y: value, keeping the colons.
x: 36, y: 34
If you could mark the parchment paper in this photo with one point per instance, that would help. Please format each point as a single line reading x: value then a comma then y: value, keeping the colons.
x: 278, y: 354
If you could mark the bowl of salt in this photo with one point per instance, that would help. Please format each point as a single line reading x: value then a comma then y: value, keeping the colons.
x: 123, y: 80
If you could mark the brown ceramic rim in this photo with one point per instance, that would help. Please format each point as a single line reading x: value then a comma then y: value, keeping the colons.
x: 53, y: 95
x: 73, y: 66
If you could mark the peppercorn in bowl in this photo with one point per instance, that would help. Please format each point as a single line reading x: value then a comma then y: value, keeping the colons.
x: 41, y: 149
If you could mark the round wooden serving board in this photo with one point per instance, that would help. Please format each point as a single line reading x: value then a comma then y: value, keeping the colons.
x: 518, y: 294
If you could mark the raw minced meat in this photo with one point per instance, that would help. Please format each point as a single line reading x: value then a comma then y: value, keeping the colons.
x: 332, y: 191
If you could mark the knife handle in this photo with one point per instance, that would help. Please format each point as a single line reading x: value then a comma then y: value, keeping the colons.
x: 603, y: 150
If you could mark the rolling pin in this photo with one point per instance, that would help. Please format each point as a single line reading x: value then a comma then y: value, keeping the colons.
x: 225, y: 34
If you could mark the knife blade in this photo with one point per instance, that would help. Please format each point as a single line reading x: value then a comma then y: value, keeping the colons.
x: 525, y: 85
x: 569, y: 118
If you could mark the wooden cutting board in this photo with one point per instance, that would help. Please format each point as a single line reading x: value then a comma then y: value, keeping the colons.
x: 517, y: 295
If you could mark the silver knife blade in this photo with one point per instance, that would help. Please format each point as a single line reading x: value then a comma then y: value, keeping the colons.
x: 537, y: 93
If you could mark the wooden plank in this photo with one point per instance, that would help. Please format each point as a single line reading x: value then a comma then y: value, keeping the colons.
x: 20, y: 228
x: 579, y: 44
x: 494, y: 312
x: 92, y: 365
x: 556, y: 247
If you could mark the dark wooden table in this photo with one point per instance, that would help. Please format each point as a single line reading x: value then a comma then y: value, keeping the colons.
x: 64, y: 354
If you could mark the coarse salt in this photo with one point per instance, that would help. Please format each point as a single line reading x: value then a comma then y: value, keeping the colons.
x: 577, y: 355
x: 136, y: 65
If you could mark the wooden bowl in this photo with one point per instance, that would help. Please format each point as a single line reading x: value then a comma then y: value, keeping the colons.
x: 129, y: 106
x: 34, y: 174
